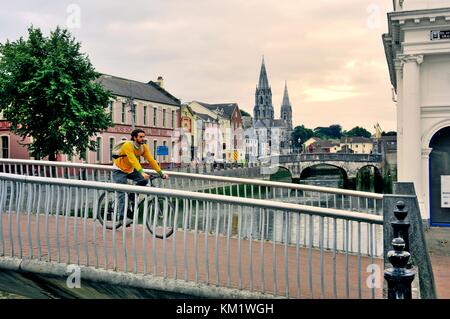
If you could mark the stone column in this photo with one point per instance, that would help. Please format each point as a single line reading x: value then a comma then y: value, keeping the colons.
x: 425, y: 210
x: 411, y: 157
x: 399, y: 73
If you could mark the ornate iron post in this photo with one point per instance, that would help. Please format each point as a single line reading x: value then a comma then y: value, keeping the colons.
x: 401, y: 227
x: 398, y: 277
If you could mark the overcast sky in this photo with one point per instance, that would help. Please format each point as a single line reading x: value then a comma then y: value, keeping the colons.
x: 329, y: 51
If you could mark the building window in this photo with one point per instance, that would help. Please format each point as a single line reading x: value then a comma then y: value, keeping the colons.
x: 134, y: 113
x: 173, y: 152
x: 112, y: 141
x: 123, y: 113
x: 155, y: 146
x: 164, y: 118
x: 165, y: 157
x: 145, y: 115
x: 173, y: 119
x: 99, y: 150
x: 111, y: 110
x: 5, y: 147
x: 154, y: 116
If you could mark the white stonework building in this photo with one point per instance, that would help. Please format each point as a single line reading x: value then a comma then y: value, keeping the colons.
x: 418, y: 54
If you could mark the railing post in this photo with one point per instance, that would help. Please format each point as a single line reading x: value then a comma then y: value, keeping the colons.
x: 401, y: 227
x: 399, y: 278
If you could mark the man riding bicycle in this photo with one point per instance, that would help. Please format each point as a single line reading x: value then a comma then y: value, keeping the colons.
x: 126, y: 166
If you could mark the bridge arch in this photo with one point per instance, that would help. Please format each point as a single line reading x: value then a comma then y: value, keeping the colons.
x: 377, y: 169
x: 281, y: 173
x: 365, y: 185
x: 305, y: 171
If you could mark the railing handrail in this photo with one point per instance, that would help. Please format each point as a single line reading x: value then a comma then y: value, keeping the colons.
x: 234, y: 180
x: 258, y: 203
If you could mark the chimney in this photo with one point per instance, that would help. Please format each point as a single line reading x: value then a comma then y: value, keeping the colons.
x: 160, y: 82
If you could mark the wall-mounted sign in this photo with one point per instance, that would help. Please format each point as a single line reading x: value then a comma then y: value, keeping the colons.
x: 440, y: 35
x: 162, y: 151
x: 445, y: 191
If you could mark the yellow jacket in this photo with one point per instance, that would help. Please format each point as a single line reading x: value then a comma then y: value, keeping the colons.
x: 131, y: 161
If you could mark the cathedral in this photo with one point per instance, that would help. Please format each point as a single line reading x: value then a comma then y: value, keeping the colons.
x: 274, y: 135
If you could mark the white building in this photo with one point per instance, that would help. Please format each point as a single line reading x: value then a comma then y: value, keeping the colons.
x: 418, y: 54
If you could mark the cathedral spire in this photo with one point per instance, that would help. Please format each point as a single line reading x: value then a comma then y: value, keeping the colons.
x: 263, y: 81
x: 286, y: 108
x: 263, y: 109
x: 286, y: 101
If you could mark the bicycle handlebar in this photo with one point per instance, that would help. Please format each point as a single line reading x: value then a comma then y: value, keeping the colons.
x: 153, y: 177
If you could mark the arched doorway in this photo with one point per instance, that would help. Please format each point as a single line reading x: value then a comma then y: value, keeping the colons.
x: 439, y: 177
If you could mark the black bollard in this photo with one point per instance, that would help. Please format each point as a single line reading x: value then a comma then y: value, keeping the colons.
x: 399, y: 278
x: 401, y: 227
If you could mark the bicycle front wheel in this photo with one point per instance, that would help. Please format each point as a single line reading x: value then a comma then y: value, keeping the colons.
x: 105, y: 213
x: 160, y: 217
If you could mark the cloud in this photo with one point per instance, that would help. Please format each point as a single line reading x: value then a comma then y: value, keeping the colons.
x: 331, y: 93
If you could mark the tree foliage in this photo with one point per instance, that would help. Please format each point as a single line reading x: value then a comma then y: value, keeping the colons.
x: 332, y: 132
x: 358, y: 132
x: 243, y: 113
x: 391, y: 133
x: 48, y: 91
x: 303, y: 133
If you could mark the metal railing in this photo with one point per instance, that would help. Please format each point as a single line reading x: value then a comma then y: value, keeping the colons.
x: 291, y: 250
x: 229, y: 186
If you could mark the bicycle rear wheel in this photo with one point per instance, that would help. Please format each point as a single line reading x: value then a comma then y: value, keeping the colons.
x: 160, y: 217
x: 105, y: 213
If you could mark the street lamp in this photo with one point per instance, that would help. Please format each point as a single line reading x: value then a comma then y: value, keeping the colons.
x: 299, y: 144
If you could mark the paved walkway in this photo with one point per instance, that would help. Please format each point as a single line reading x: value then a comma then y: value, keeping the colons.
x: 441, y: 273
x: 184, y: 256
x: 437, y: 239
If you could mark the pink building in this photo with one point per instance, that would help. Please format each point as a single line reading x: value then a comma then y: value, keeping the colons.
x: 11, y: 144
x: 157, y: 112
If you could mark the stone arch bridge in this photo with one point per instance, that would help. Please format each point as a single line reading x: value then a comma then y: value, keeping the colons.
x: 351, y: 164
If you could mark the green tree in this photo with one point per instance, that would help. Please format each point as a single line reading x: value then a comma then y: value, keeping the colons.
x: 391, y: 133
x: 243, y: 113
x: 303, y: 133
x: 358, y: 132
x: 331, y: 132
x: 48, y: 91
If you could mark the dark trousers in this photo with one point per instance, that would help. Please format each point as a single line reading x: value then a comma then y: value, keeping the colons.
x: 120, y: 177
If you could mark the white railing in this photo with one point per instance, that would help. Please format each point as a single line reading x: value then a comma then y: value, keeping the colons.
x: 285, y: 249
x: 238, y: 187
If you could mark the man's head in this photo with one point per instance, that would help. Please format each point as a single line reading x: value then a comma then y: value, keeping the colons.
x: 138, y: 136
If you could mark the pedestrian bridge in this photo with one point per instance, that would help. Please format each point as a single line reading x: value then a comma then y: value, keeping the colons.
x: 233, y: 237
x: 349, y: 164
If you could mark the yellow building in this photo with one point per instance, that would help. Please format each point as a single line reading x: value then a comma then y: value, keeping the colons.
x: 356, y: 145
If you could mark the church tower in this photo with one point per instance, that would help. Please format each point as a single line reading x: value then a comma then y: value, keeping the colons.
x: 286, y: 109
x: 263, y: 99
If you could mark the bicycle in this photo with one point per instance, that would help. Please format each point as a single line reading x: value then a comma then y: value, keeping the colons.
x: 160, y: 225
